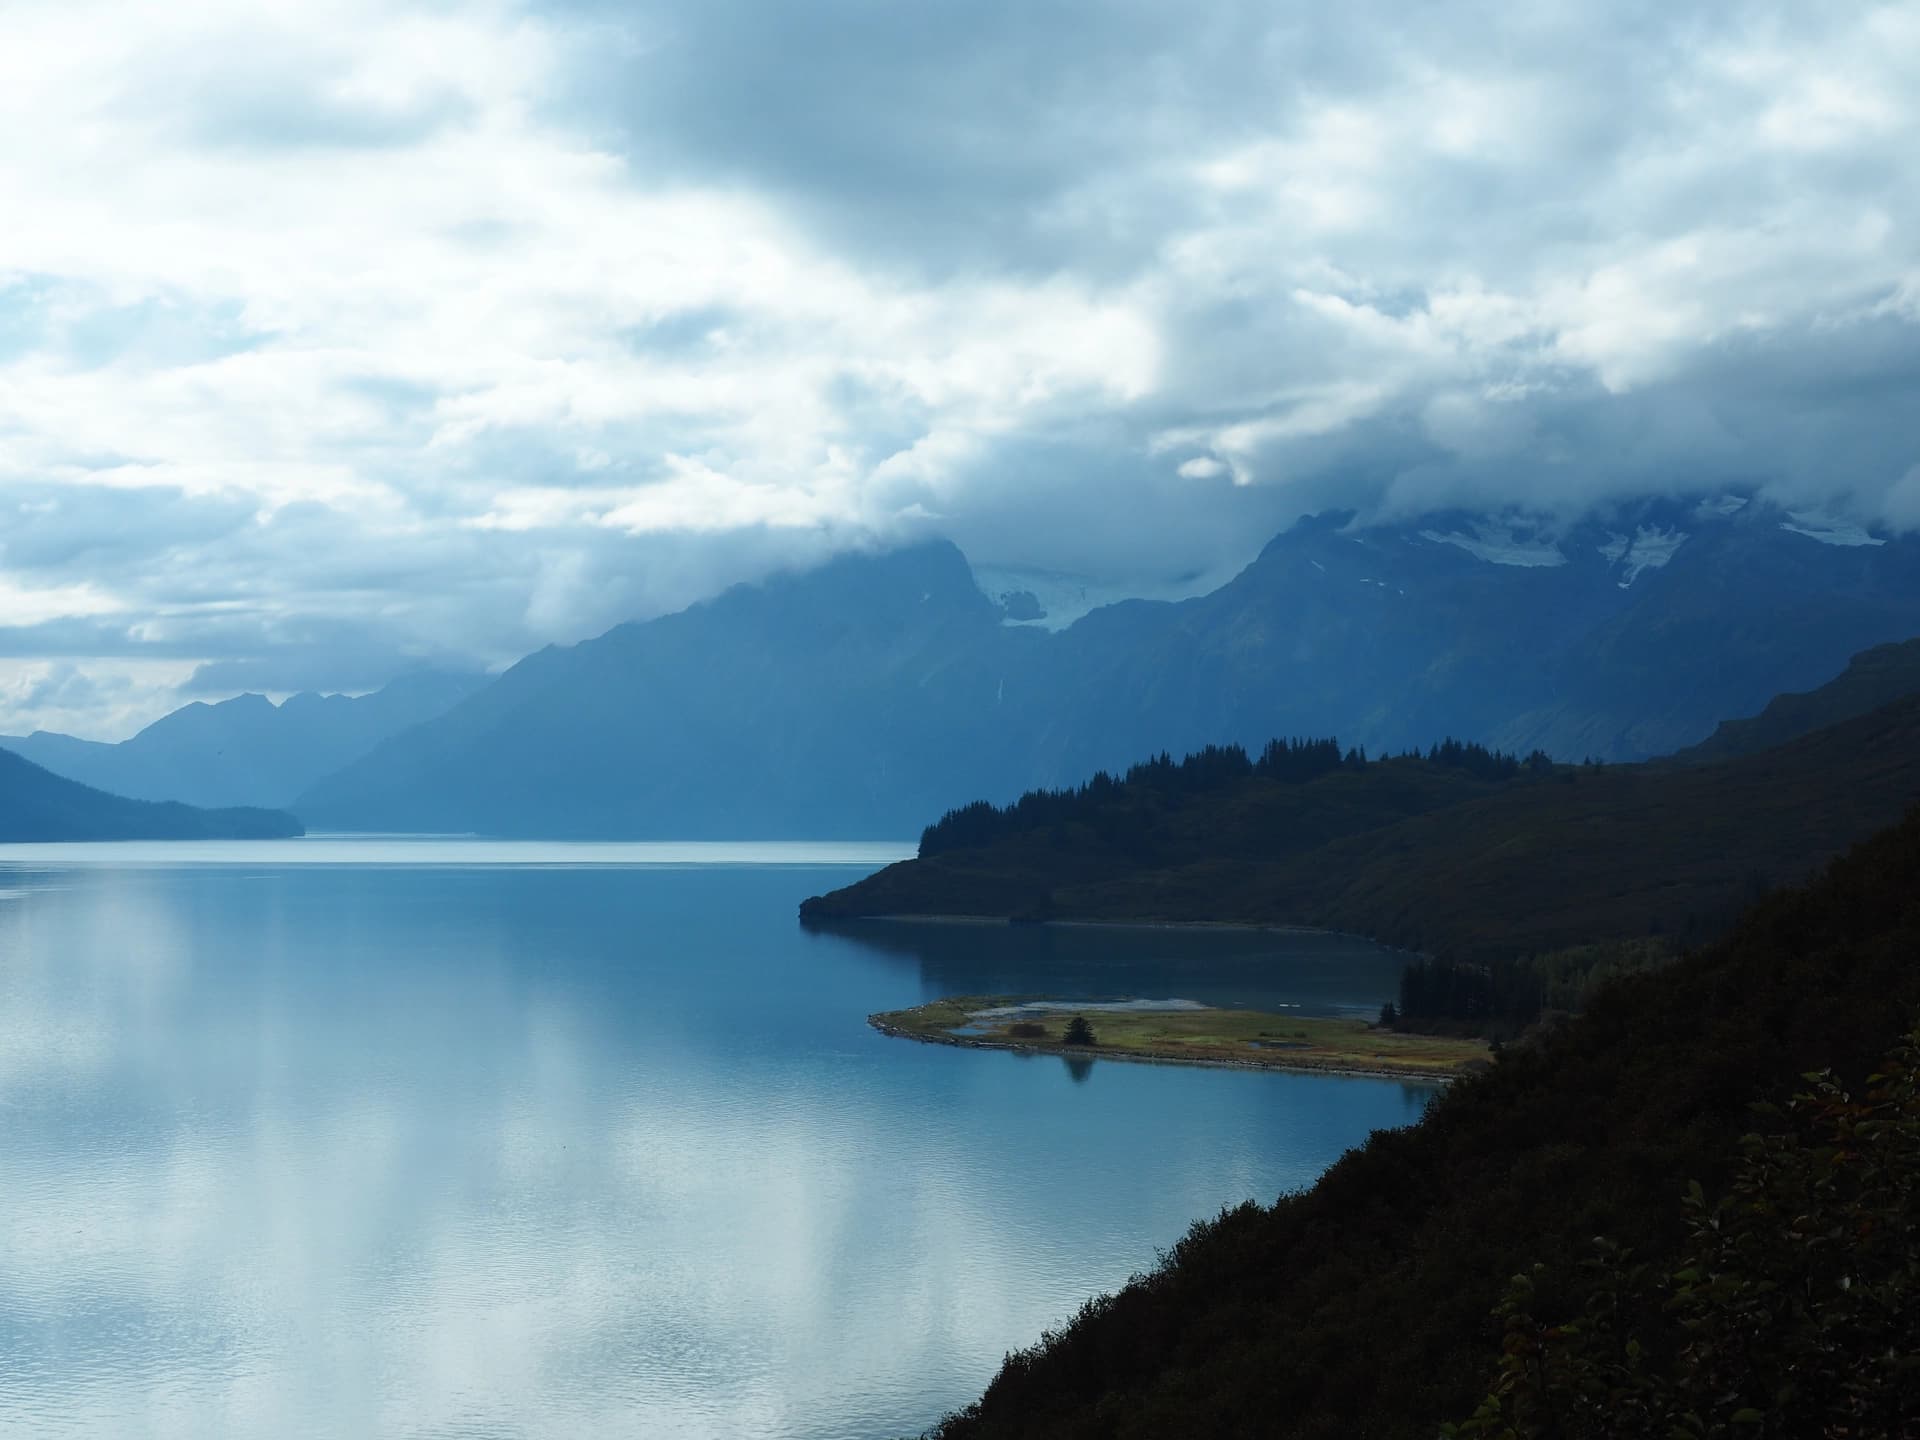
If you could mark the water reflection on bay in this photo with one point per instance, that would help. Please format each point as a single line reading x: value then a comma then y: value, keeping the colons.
x: 1313, y: 972
x: 324, y: 1151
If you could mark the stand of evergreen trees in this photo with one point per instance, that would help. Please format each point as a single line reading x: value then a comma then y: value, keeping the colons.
x: 1293, y: 761
x: 1502, y: 997
x: 1442, y: 993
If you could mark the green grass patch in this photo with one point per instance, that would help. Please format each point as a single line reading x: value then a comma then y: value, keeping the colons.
x: 1202, y: 1036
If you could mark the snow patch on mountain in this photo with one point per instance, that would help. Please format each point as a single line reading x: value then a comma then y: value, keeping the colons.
x: 1719, y: 507
x: 1649, y: 548
x: 1063, y: 599
x: 1500, y: 545
x: 1827, y: 529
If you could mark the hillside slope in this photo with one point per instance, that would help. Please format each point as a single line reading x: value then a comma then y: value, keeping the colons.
x: 1873, y: 678
x: 1529, y: 865
x: 844, y: 702
x: 36, y: 805
x: 1362, y: 1307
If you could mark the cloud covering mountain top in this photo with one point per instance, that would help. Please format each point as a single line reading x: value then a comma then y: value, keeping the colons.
x: 335, y: 337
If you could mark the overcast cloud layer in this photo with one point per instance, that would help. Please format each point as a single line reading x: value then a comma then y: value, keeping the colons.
x: 336, y: 337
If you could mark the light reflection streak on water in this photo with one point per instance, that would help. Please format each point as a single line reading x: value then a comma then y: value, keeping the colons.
x: 325, y: 1150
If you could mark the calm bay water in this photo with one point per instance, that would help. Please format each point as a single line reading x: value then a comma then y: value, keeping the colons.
x: 413, y: 1138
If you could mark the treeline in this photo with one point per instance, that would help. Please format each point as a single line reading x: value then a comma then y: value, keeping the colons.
x: 1442, y: 993
x: 1293, y: 761
x: 1501, y: 998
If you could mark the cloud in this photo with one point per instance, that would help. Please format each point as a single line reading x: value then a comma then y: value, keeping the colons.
x: 98, y: 699
x: 451, y: 329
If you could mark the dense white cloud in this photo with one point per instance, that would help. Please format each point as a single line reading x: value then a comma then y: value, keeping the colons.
x: 335, y: 335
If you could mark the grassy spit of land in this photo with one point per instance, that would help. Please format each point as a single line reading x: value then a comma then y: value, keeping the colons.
x: 1185, y: 1034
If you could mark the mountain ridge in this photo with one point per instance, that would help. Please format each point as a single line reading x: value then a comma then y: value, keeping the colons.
x: 245, y: 750
x: 859, y: 698
x: 1872, y: 679
x: 37, y: 805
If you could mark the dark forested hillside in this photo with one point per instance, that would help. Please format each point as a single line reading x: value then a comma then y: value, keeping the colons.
x: 1433, y: 856
x: 1364, y: 1306
x: 1124, y: 814
x: 38, y: 805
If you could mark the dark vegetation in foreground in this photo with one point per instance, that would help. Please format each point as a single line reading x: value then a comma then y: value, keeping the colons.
x: 1478, y: 861
x: 1366, y: 1306
x: 1794, y: 1309
x: 37, y: 805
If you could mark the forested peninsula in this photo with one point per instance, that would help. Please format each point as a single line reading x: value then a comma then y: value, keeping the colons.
x: 1456, y: 850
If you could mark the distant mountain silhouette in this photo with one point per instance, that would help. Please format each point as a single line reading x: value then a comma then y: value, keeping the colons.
x: 851, y: 700
x: 38, y: 805
x: 870, y: 695
x: 247, y: 750
x: 1878, y: 677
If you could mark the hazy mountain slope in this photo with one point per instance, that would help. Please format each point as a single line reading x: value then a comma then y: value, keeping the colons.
x: 848, y: 701
x: 247, y: 750
x: 36, y: 804
x: 1385, y: 637
x: 1653, y: 624
x: 1745, y: 611
x: 1363, y: 1306
x: 868, y: 696
x: 1528, y: 865
x: 1872, y: 679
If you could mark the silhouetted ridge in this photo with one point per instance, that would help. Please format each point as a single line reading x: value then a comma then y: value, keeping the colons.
x: 247, y: 750
x: 37, y: 805
x: 1872, y: 678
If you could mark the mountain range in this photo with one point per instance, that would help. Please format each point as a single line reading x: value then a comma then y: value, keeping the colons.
x: 871, y: 694
x: 247, y: 750
x: 37, y: 805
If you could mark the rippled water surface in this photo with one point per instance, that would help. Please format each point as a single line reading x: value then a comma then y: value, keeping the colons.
x: 409, y: 1138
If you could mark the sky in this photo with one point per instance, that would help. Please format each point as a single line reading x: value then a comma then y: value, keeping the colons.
x: 341, y: 338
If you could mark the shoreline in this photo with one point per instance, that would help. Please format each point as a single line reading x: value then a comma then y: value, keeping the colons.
x: 1009, y: 922
x: 880, y: 1022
